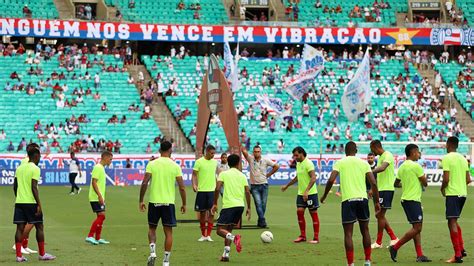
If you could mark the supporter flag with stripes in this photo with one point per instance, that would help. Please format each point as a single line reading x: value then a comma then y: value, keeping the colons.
x: 452, y: 37
x: 357, y: 94
x: 273, y: 105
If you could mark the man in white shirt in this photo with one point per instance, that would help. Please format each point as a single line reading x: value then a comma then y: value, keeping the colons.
x: 311, y: 132
x: 74, y: 170
x: 259, y: 180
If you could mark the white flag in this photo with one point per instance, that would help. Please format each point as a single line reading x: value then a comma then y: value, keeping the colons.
x: 357, y: 93
x: 228, y: 61
x: 235, y: 82
x: 311, y: 65
x: 271, y: 104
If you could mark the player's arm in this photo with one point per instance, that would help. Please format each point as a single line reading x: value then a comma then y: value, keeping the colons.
x: 34, y: 189
x: 143, y: 188
x: 292, y: 181
x: 445, y: 182
x: 274, y: 170
x: 381, y: 168
x: 468, y: 178
x: 398, y: 183
x: 329, y: 184
x: 312, y: 181
x: 216, y: 196
x: 195, y: 180
x: 375, y: 191
x: 423, y: 180
x: 182, y: 193
x: 15, y: 185
x: 97, y: 191
x: 247, y: 198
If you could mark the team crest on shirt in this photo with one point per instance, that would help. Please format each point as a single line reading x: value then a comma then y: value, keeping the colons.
x: 420, y: 217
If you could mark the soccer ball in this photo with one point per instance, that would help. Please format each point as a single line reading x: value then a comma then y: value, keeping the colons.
x: 266, y: 237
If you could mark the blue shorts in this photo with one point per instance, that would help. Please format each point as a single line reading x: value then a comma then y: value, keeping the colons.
x: 312, y: 203
x: 96, y: 207
x: 26, y: 213
x: 454, y: 205
x: 204, y: 201
x: 385, y: 199
x: 165, y: 212
x: 230, y: 216
x: 353, y: 210
x: 413, y: 211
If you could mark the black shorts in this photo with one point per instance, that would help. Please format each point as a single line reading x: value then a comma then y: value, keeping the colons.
x: 355, y: 210
x: 454, y: 205
x: 26, y: 213
x: 72, y: 177
x: 204, y: 201
x: 165, y: 212
x: 230, y: 216
x: 385, y: 199
x: 413, y: 211
x: 96, y: 207
x: 312, y: 203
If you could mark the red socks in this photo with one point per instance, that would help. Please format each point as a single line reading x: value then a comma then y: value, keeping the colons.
x: 314, y: 216
x: 41, y: 248
x: 379, y: 238
x: 367, y: 252
x: 461, y: 241
x: 203, y: 228
x: 24, y: 243
x: 18, y: 249
x: 100, y: 222
x: 456, y: 243
x: 397, y: 245
x: 390, y: 232
x: 419, y: 251
x: 350, y: 256
x: 209, y: 228
x: 96, y: 227
x: 301, y: 222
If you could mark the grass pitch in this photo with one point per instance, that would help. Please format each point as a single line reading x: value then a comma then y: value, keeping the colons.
x: 68, y: 218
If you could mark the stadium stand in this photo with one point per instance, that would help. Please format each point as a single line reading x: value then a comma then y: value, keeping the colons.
x: 402, y: 109
x: 458, y: 77
x: 38, y: 8
x: 20, y: 111
x: 167, y: 11
x: 308, y: 12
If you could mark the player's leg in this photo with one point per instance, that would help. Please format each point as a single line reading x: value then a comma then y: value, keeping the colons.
x: 153, y: 219
x: 71, y: 181
x: 363, y: 216
x: 454, y: 206
x: 20, y: 227
x: 210, y: 216
x: 202, y: 225
x: 313, y: 205
x: 26, y: 235
x: 227, y: 219
x: 223, y: 230
x: 97, y: 209
x: 365, y: 232
x: 40, y: 239
x: 199, y: 207
x: 300, y: 207
x: 409, y: 235
x: 257, y: 199
x: 388, y: 198
x: 98, y: 231
x: 420, y: 257
x: 349, y: 246
x: 168, y: 230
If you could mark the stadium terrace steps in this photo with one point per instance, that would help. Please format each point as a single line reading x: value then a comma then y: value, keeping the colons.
x: 165, y: 11
x: 65, y: 9
x: 39, y: 8
x: 20, y: 111
x: 163, y: 116
x: 185, y: 71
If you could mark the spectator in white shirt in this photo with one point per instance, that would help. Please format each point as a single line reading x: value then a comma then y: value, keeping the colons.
x: 3, y: 135
x: 311, y: 132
